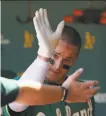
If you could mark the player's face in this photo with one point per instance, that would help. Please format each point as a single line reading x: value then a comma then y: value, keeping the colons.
x: 64, y: 55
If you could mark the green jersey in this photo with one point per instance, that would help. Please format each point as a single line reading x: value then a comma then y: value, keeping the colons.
x: 56, y: 109
x: 9, y: 90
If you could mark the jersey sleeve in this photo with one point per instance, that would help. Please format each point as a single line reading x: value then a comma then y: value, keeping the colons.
x: 9, y: 90
x: 17, y: 106
x: 7, y: 111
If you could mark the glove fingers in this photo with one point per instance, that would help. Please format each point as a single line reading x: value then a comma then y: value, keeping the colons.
x: 44, y: 27
x: 60, y: 28
x: 46, y: 20
x: 36, y: 25
x: 41, y: 12
x: 38, y: 19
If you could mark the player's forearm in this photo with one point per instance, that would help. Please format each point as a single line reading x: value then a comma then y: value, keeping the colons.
x: 36, y: 71
x: 39, y: 94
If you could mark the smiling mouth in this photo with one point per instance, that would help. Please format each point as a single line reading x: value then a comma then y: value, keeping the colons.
x: 53, y: 72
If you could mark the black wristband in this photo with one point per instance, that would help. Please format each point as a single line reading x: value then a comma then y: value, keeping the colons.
x: 65, y: 93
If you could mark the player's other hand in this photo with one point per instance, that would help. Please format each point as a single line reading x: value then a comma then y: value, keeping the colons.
x: 80, y: 91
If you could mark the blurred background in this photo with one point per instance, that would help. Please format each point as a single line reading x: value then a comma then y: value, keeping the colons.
x: 19, y: 43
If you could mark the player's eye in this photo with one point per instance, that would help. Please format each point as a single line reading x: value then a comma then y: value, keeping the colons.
x: 55, y: 55
x: 67, y: 61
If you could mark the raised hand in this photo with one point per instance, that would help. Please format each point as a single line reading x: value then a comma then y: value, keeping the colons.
x: 46, y: 37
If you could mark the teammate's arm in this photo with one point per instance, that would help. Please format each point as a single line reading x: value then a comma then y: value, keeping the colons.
x: 12, y: 90
x: 32, y: 93
x: 35, y: 93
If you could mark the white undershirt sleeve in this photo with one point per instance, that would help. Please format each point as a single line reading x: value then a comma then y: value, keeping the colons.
x: 36, y: 72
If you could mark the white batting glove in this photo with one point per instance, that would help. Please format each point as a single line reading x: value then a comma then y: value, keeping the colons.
x: 46, y: 37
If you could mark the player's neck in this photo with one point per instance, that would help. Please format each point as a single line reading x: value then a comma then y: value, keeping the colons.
x: 59, y: 82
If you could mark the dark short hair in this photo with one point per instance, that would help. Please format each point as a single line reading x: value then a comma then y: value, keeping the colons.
x: 71, y: 36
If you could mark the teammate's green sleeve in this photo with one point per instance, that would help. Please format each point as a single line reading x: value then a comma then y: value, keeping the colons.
x: 9, y: 90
